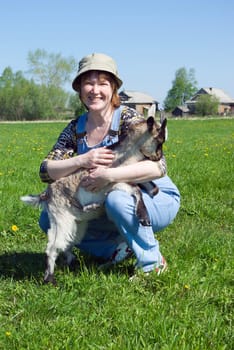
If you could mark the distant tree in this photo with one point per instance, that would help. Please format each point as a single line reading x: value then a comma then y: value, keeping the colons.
x: 76, y: 105
x: 7, y: 78
x: 21, y: 99
x: 206, y: 105
x: 50, y: 69
x: 9, y: 94
x: 44, y: 95
x: 183, y: 87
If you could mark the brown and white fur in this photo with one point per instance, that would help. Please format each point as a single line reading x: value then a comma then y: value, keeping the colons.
x: 70, y: 206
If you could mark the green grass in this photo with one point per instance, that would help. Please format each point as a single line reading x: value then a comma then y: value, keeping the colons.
x: 189, y: 307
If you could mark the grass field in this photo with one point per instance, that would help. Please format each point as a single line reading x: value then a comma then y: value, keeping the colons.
x: 189, y: 307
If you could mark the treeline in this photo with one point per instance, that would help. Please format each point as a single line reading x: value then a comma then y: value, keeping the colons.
x: 41, y: 96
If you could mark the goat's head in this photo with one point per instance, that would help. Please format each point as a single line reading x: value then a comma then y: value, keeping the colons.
x: 146, y: 135
x: 152, y: 147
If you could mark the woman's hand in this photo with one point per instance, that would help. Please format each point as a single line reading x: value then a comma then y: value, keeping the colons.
x: 92, y: 159
x: 97, y: 157
x: 143, y: 171
x: 96, y: 180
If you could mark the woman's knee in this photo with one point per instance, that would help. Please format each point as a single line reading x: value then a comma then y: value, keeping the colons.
x: 118, y: 202
x: 164, y: 215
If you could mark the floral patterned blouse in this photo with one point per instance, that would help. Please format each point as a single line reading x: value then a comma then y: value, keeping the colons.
x: 66, y: 145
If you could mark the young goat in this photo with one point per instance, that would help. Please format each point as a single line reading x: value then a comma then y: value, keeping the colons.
x: 70, y: 206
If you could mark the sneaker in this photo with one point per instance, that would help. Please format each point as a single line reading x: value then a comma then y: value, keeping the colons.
x: 121, y: 252
x: 159, y: 269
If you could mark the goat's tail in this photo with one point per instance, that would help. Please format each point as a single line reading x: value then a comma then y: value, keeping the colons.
x: 33, y: 200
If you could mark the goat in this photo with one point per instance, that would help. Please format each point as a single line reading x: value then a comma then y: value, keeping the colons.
x: 70, y: 206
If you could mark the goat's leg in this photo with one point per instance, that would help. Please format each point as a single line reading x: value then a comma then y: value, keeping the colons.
x: 78, y: 229
x: 59, y: 240
x: 65, y: 232
x: 141, y: 210
x: 70, y: 257
x: 51, y: 256
x: 142, y: 214
x: 52, y: 249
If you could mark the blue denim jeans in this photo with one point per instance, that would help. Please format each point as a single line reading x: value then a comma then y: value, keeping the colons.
x: 121, y: 224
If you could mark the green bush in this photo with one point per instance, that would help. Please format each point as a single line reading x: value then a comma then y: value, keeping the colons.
x: 206, y: 105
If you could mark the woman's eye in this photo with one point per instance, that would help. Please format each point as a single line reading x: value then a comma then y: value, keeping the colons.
x: 106, y: 83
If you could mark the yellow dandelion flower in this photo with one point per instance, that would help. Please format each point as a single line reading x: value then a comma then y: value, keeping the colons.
x: 186, y: 286
x: 14, y: 228
x: 8, y: 334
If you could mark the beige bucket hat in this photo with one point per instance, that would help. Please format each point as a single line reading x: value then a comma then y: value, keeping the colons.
x: 97, y: 61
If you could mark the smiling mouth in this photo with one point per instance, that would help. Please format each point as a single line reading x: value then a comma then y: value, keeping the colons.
x: 95, y: 99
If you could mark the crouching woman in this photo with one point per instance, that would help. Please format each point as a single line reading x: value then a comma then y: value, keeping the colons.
x: 83, y: 144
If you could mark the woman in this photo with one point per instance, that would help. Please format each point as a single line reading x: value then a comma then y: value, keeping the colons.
x: 82, y: 144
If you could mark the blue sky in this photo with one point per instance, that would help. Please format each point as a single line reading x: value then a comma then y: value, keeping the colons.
x: 149, y: 39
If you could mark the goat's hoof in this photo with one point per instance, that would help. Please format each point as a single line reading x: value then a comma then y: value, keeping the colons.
x: 145, y: 222
x: 50, y: 280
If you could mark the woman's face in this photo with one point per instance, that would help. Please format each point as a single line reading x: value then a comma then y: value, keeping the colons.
x: 96, y: 91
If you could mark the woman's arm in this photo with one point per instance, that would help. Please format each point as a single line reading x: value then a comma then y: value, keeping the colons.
x: 64, y: 149
x: 92, y: 159
x: 143, y: 171
x: 61, y: 162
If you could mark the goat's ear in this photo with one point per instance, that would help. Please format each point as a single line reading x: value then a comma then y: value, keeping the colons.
x: 164, y: 123
x: 163, y: 129
x: 151, y: 110
x: 150, y: 123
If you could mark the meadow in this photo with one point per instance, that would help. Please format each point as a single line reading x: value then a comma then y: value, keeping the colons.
x: 189, y: 307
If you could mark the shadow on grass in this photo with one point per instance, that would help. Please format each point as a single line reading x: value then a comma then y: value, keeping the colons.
x: 27, y: 265
x: 23, y: 265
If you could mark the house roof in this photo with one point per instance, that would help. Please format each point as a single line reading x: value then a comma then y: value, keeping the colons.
x: 183, y: 109
x: 222, y: 96
x: 136, y: 97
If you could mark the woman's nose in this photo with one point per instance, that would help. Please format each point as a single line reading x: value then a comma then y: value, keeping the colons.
x: 95, y: 88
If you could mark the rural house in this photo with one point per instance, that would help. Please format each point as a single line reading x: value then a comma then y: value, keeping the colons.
x: 226, y: 103
x: 180, y: 111
x: 138, y: 100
